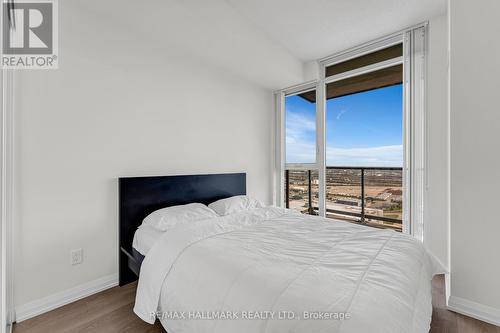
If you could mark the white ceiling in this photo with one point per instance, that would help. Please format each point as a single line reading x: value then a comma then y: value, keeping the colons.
x: 264, y: 41
x: 312, y: 29
x: 204, y: 31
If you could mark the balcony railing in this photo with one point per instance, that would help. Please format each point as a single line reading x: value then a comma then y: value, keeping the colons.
x: 352, y: 178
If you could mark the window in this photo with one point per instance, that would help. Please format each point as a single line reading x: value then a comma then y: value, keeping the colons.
x: 300, y: 183
x: 358, y: 153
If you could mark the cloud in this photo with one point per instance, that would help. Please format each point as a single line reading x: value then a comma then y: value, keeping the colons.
x: 300, y: 152
x: 300, y: 138
x: 341, y: 113
x: 300, y: 124
x: 371, y: 156
x: 388, y: 156
x: 301, y: 147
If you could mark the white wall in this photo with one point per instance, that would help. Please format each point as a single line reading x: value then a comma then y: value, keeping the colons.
x: 436, y: 221
x: 121, y: 106
x: 475, y: 162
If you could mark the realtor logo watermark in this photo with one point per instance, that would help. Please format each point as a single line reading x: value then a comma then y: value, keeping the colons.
x: 29, y: 34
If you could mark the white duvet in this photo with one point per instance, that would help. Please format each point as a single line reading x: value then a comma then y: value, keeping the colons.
x: 273, y: 270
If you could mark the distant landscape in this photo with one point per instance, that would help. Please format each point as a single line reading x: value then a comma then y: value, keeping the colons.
x: 383, y: 194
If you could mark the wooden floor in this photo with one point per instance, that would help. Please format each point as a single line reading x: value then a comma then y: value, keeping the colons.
x: 445, y: 321
x: 111, y: 311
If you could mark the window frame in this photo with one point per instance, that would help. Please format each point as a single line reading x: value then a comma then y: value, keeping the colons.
x: 280, y: 139
x: 414, y: 59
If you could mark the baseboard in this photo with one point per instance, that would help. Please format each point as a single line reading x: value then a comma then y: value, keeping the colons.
x: 475, y: 310
x: 59, y: 299
x: 447, y: 288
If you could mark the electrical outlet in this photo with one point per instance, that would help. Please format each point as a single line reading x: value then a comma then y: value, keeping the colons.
x: 76, y: 256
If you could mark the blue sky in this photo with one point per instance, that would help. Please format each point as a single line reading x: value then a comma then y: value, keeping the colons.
x: 363, y: 129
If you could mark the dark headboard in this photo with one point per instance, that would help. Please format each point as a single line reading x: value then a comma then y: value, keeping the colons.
x: 140, y: 196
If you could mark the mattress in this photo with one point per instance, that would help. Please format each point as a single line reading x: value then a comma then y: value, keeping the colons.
x: 144, y: 238
x: 273, y: 270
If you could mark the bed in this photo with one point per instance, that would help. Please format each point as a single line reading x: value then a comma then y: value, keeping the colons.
x: 273, y: 270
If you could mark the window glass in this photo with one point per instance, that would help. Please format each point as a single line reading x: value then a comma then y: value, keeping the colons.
x: 364, y: 148
x: 366, y: 128
x: 300, y: 129
x: 302, y: 191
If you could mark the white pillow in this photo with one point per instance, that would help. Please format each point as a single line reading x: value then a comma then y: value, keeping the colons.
x: 165, y: 218
x: 234, y: 205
